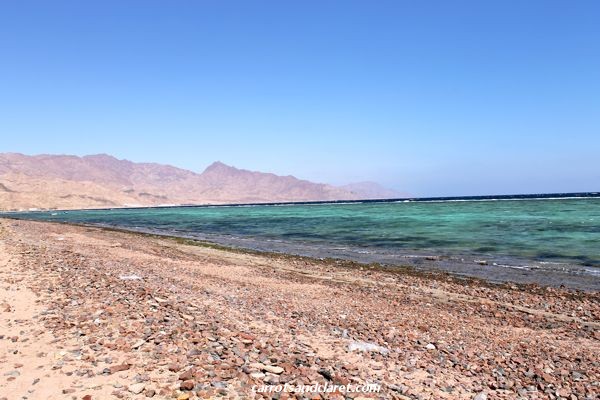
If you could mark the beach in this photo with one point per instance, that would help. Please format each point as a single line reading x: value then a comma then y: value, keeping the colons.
x: 92, y: 313
x: 525, y: 239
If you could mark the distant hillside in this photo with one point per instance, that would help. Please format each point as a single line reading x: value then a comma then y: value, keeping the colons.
x: 66, y: 182
x: 373, y: 190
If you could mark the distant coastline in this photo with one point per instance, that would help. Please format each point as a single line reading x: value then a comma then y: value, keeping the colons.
x: 532, y: 196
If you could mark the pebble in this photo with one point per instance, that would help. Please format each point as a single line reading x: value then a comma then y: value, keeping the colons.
x: 187, y: 375
x: 273, y: 369
x: 136, y: 388
x: 138, y: 344
x: 118, y: 368
x: 186, y: 385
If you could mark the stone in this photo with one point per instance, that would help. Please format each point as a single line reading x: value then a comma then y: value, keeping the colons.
x: 326, y: 374
x: 187, y: 375
x: 174, y: 367
x: 273, y: 369
x: 430, y: 346
x: 577, y: 376
x: 118, y: 368
x: 257, y: 375
x: 367, y: 347
x: 137, y: 388
x: 563, y: 392
x: 186, y: 385
x: 258, y: 366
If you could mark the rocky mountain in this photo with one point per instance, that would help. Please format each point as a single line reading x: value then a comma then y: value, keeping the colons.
x: 98, y: 181
x: 373, y: 190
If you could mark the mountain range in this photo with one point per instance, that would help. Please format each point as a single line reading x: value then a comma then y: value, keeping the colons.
x: 101, y: 181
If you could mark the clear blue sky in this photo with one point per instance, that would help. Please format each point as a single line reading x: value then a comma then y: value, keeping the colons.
x: 432, y: 97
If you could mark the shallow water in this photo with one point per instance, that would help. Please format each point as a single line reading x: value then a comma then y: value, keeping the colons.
x: 550, y: 241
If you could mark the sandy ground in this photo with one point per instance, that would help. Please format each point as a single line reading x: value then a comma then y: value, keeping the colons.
x: 87, y: 313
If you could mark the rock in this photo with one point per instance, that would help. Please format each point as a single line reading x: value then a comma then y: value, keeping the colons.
x: 118, y: 368
x: 480, y: 396
x: 139, y: 343
x: 258, y: 366
x: 563, y: 392
x: 326, y: 374
x: 397, y: 388
x: 430, y: 346
x: 577, y: 376
x: 194, y: 352
x: 131, y: 277
x: 87, y: 397
x: 257, y: 375
x: 367, y: 347
x: 186, y: 385
x: 174, y: 367
x: 183, y: 396
x: 273, y: 369
x: 150, y: 392
x: 137, y: 388
x: 187, y: 375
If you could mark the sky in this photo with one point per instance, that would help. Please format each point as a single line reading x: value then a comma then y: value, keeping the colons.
x: 435, y: 98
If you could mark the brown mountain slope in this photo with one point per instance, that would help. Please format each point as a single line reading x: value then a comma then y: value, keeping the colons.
x: 58, y: 181
x: 373, y: 190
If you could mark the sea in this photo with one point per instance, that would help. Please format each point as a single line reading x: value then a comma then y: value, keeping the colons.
x: 548, y: 239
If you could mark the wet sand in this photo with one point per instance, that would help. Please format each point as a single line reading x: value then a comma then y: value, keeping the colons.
x: 107, y: 314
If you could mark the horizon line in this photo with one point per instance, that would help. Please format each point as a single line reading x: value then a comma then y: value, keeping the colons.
x: 506, y: 197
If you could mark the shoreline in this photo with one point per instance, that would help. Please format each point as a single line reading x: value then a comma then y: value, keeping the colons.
x: 132, y: 315
x: 493, y: 270
x: 529, y: 196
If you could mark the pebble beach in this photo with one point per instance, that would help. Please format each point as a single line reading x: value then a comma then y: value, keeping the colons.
x: 91, y: 313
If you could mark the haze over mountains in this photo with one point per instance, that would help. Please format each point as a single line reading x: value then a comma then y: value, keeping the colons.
x: 98, y: 181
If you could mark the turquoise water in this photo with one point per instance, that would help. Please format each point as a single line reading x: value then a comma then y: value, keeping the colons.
x: 561, y: 235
